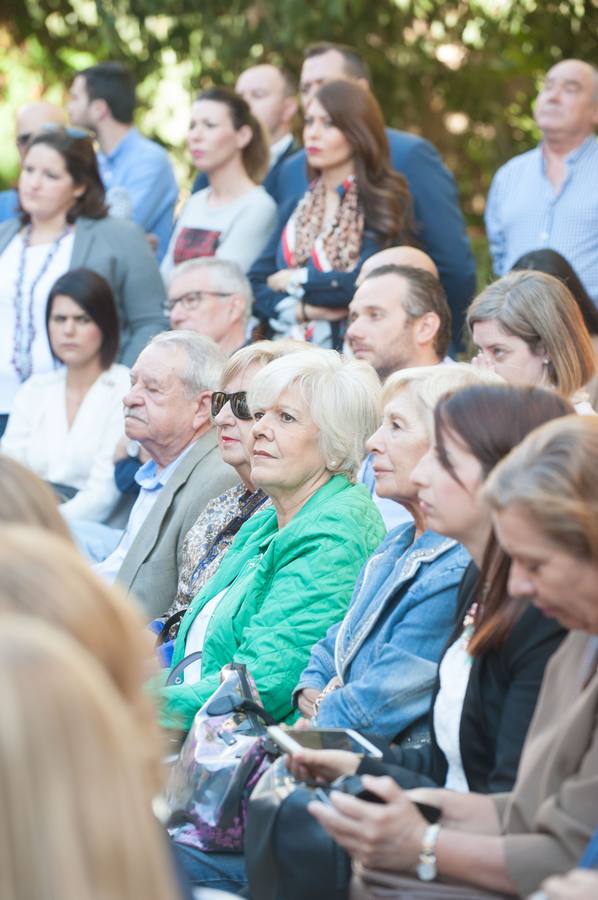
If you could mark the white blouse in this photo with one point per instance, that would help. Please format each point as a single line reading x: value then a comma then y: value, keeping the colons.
x: 35, y: 259
x: 38, y: 436
x: 454, y: 672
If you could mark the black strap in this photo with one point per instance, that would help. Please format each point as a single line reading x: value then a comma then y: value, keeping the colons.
x: 170, y: 621
x: 175, y: 676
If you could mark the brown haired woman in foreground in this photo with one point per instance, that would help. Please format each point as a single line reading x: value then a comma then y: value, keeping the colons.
x: 545, y: 502
x: 355, y: 206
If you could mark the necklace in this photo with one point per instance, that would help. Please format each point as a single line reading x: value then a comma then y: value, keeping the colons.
x: 24, y: 332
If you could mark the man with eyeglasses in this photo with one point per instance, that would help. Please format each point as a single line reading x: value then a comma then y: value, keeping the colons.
x: 212, y: 297
x: 29, y: 119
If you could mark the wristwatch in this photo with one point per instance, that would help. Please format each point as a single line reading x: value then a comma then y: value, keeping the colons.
x: 132, y: 449
x: 426, y: 868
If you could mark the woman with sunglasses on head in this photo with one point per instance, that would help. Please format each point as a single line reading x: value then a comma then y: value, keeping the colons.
x: 355, y: 206
x: 208, y: 540
x: 65, y: 424
x: 234, y: 215
x: 63, y: 224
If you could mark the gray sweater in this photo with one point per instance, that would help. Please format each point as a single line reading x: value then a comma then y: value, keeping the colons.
x: 117, y: 250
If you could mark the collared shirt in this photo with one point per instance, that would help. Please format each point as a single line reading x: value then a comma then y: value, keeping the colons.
x: 525, y: 213
x: 279, y: 147
x: 151, y: 481
x: 143, y: 169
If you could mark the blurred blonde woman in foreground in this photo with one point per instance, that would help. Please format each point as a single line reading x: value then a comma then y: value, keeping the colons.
x: 76, y: 818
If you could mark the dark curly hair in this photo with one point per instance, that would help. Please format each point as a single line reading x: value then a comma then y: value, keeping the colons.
x: 256, y: 155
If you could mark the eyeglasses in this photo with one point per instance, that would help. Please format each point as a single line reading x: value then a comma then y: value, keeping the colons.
x: 238, y: 404
x: 192, y: 299
x: 50, y: 127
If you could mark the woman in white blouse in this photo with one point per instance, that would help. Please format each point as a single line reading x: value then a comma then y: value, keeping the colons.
x: 65, y: 424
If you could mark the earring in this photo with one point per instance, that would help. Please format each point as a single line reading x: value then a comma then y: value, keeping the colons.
x: 545, y: 362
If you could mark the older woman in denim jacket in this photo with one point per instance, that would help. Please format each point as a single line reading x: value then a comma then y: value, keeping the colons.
x: 375, y: 670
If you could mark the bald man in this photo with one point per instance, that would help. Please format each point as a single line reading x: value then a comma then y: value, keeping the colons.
x: 548, y: 197
x: 32, y: 117
x: 28, y: 121
x: 398, y: 256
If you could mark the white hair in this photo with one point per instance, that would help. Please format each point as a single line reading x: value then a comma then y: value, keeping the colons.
x: 205, y: 359
x: 343, y: 397
x: 427, y: 384
x: 225, y: 275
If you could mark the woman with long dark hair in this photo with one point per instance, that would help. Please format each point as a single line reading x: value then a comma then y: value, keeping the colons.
x: 356, y: 205
x: 63, y: 225
x: 233, y: 216
x: 65, y: 424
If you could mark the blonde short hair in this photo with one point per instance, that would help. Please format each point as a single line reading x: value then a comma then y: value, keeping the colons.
x: 551, y: 476
x: 427, y: 384
x: 71, y: 784
x: 540, y: 310
x: 343, y: 397
x: 259, y: 354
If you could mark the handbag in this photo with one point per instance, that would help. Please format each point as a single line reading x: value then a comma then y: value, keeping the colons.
x: 221, y: 760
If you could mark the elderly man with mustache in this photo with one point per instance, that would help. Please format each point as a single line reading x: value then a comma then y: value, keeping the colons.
x: 167, y: 410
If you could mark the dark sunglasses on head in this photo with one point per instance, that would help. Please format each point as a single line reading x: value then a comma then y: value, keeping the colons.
x: 238, y: 404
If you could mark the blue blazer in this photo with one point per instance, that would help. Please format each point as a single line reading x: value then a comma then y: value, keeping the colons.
x: 440, y: 227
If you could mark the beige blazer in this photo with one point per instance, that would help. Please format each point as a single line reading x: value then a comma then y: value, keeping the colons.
x: 552, y: 811
x: 150, y: 568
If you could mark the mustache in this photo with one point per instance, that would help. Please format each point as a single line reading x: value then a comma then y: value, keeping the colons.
x: 131, y: 413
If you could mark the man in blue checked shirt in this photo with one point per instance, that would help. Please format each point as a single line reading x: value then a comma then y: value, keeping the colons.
x: 136, y: 172
x: 548, y: 197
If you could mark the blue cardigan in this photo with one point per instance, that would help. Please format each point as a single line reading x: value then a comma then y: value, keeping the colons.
x: 387, y: 647
x: 440, y: 227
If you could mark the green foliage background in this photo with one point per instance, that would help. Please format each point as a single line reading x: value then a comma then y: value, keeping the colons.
x: 460, y: 73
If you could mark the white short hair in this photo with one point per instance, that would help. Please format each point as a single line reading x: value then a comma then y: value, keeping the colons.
x: 343, y: 397
x: 225, y: 275
x: 427, y: 384
x: 206, y: 359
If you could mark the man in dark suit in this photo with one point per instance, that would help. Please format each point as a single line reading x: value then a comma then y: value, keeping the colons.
x: 439, y: 222
x: 272, y: 97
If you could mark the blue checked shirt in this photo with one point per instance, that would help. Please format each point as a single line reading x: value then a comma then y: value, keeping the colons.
x: 142, y: 168
x: 523, y: 212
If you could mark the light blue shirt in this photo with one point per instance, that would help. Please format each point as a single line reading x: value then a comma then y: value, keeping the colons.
x: 9, y: 201
x: 524, y: 213
x: 151, y: 481
x: 143, y: 169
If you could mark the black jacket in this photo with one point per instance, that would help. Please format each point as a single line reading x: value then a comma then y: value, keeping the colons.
x: 498, y: 706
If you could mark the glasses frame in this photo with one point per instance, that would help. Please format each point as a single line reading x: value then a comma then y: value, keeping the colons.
x: 196, y: 297
x: 238, y: 404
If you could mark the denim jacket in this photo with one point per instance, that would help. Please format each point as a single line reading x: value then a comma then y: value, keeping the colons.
x: 386, y: 649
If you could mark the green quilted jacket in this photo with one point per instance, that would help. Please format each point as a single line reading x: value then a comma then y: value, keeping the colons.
x: 285, y: 589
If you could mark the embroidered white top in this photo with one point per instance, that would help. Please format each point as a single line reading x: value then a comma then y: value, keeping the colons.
x: 38, y: 436
x: 40, y: 349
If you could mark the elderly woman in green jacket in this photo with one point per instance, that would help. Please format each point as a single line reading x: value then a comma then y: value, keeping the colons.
x: 291, y: 570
